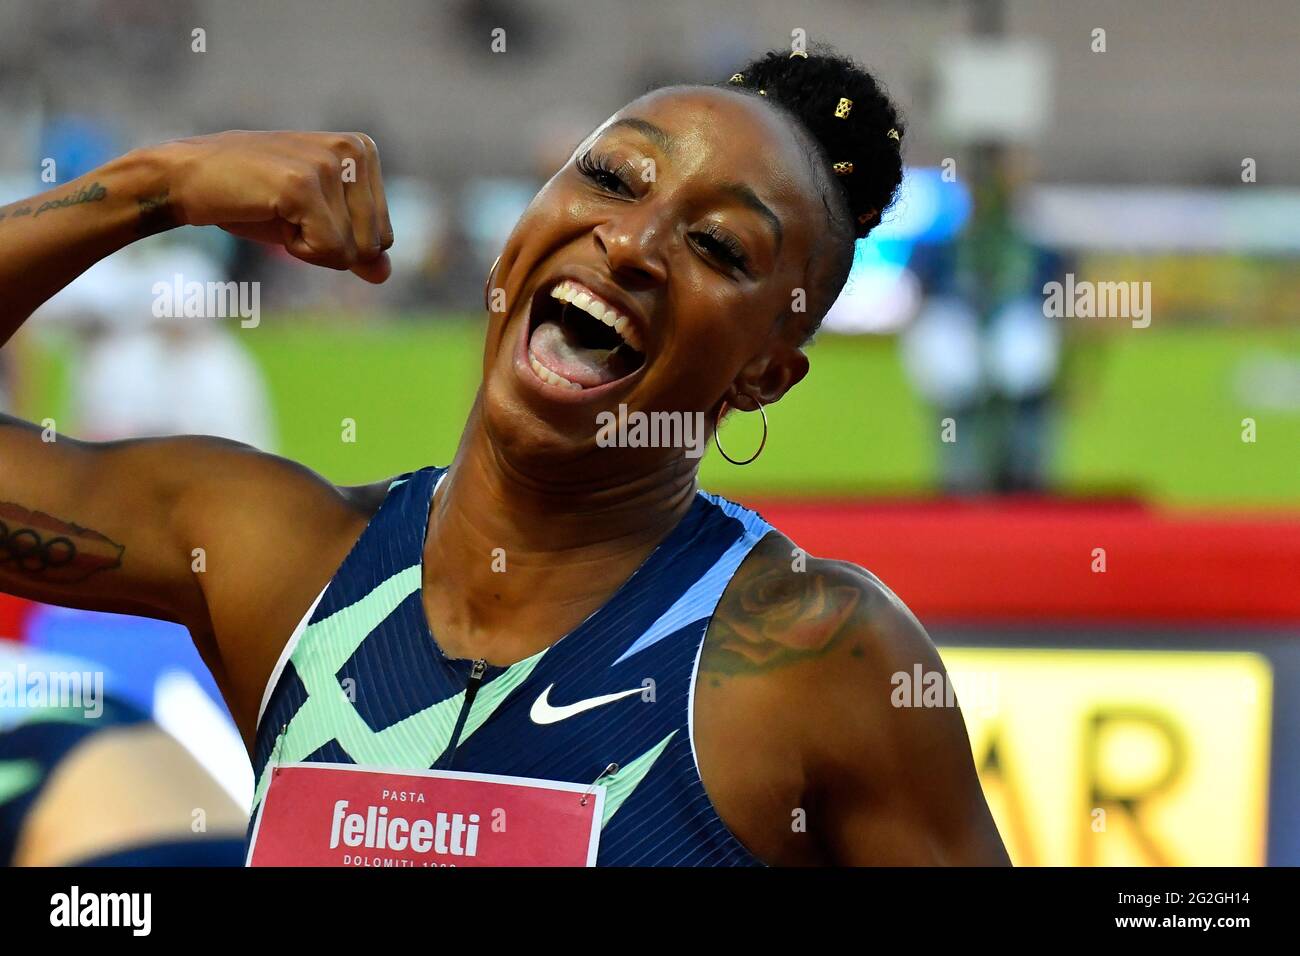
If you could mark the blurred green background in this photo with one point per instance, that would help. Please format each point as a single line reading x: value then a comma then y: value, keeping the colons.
x: 1157, y: 414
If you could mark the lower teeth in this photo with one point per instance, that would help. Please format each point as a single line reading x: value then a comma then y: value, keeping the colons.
x: 549, y: 377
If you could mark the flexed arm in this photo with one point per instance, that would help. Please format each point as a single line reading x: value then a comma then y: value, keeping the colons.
x: 116, y: 526
x: 320, y: 195
x: 50, y: 239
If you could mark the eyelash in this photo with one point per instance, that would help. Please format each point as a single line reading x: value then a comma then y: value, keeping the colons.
x: 599, y: 171
x: 726, y: 248
x: 723, y: 247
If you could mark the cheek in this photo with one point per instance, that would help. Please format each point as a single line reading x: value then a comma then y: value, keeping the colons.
x: 533, y: 231
x: 730, y: 324
x: 716, y: 337
x: 561, y: 204
x: 556, y: 217
x: 549, y: 222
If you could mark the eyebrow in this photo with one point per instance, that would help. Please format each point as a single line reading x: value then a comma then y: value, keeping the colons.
x: 738, y: 191
x: 748, y: 198
x: 647, y: 129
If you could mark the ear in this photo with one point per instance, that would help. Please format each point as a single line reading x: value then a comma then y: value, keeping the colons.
x: 768, y: 377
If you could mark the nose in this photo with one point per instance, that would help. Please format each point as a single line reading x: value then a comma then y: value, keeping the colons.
x: 632, y: 242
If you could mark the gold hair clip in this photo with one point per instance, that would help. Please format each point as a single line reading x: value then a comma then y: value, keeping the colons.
x: 762, y: 92
x: 842, y: 107
x: 798, y: 53
x: 893, y: 134
x: 737, y: 78
x: 842, y: 169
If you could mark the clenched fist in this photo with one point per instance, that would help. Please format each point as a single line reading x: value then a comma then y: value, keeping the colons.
x: 319, y: 195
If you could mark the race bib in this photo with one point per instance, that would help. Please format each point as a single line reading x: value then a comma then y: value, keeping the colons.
x: 329, y: 814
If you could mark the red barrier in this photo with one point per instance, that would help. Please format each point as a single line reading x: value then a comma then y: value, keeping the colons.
x: 1033, y: 559
x: 13, y: 611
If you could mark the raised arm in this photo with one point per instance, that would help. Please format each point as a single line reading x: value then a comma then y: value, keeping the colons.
x: 209, y: 533
x: 320, y: 195
x: 48, y: 240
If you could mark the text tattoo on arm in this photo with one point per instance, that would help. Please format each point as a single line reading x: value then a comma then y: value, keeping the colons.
x: 156, y: 214
x: 87, y: 194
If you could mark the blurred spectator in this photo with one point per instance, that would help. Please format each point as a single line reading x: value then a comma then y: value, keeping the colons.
x: 140, y: 375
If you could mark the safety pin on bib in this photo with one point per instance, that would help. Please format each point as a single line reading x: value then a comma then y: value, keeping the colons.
x: 612, y: 768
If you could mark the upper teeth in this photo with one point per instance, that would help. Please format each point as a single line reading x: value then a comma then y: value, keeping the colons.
x: 582, y: 297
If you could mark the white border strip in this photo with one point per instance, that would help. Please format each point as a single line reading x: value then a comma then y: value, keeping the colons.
x: 285, y: 654
x: 690, y: 696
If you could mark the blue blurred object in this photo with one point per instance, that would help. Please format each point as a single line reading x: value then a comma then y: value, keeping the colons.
x: 134, y: 652
x: 491, y: 205
x: 928, y: 209
x: 77, y: 145
x: 883, y: 290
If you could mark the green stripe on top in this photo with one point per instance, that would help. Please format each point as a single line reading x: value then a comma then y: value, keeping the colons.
x: 620, y: 784
x: 413, y: 743
x: 329, y: 643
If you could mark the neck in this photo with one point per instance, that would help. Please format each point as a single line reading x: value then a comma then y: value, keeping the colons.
x: 510, y: 546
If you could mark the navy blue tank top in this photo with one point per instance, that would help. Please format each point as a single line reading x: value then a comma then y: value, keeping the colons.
x: 363, y: 681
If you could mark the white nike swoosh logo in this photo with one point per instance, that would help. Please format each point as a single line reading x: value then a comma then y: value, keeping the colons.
x: 544, y: 713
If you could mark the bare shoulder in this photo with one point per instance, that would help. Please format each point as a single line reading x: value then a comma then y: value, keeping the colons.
x: 265, y: 535
x: 793, y: 685
x: 785, y: 609
x: 799, y: 670
x: 232, y: 488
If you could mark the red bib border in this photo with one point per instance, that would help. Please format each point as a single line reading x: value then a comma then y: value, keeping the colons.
x: 330, y: 814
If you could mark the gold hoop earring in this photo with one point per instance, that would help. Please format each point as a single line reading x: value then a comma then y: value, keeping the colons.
x: 762, y: 443
x: 487, y: 283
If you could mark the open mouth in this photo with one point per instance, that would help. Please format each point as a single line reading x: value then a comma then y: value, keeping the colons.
x: 576, y: 340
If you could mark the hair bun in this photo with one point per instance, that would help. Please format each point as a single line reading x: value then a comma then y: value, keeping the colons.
x: 848, y: 113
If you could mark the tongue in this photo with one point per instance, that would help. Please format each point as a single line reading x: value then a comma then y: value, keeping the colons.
x: 554, y: 346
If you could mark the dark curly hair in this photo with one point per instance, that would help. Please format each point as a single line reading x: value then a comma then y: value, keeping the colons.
x: 809, y: 89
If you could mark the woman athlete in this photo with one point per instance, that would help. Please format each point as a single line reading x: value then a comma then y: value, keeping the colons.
x: 547, y: 607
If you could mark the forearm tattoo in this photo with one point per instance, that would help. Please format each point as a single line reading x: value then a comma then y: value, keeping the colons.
x: 29, y: 208
x: 156, y: 214
x: 41, y: 547
x: 773, y: 617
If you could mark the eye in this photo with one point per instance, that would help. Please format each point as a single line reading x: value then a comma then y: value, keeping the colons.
x: 723, y: 248
x: 601, y: 171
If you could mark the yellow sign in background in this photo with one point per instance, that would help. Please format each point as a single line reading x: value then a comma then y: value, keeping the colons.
x: 1128, y: 758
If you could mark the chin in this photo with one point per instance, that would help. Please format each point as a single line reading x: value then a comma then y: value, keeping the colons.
x: 530, y: 433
